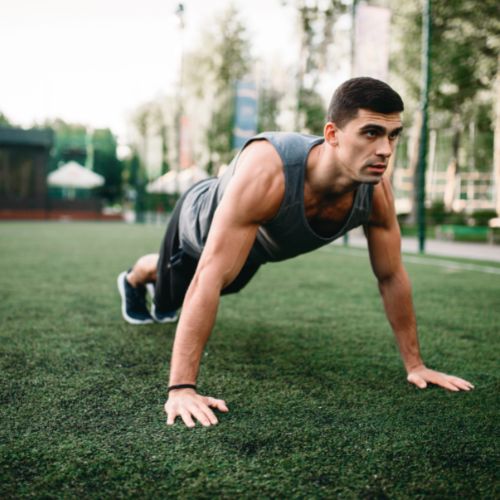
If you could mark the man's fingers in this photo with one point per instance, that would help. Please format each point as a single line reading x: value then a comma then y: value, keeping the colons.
x: 461, y: 383
x: 194, y: 407
x: 449, y: 382
x: 186, y: 417
x: 447, y: 385
x: 199, y: 415
x: 171, y: 418
x: 217, y: 403
x: 413, y: 378
x: 209, y: 414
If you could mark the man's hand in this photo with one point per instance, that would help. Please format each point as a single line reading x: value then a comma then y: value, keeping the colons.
x: 421, y: 376
x: 186, y: 403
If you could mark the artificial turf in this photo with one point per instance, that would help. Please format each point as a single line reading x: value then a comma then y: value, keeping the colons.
x: 319, y: 405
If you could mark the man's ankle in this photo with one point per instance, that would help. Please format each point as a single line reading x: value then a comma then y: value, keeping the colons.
x: 131, y: 279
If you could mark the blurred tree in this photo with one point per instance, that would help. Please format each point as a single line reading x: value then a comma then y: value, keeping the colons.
x: 465, y: 39
x: 312, y: 107
x: 149, y: 122
x: 211, y: 71
x: 107, y: 164
x: 268, y: 108
x: 316, y: 19
x: 70, y: 144
x: 4, y: 121
x: 141, y: 120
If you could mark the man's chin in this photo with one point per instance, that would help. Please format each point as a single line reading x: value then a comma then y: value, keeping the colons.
x: 371, y: 179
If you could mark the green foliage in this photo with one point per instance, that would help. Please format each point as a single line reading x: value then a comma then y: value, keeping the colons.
x: 316, y: 21
x: 481, y: 150
x: 107, y: 164
x: 437, y: 213
x: 464, y: 43
x: 73, y: 142
x: 313, y: 108
x: 482, y: 217
x: 268, y: 109
x: 70, y: 143
x: 222, y: 58
x: 465, y: 40
x: 319, y: 405
x: 4, y: 121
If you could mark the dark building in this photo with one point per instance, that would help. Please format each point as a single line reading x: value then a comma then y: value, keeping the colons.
x: 24, y: 156
x: 24, y: 166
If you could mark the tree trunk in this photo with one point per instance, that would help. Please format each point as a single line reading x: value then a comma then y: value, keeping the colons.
x: 453, y: 167
x: 496, y: 157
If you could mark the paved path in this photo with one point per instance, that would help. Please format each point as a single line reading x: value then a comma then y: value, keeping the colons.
x: 476, y: 251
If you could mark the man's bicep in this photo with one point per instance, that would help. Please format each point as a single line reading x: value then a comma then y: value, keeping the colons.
x: 383, y: 234
x: 227, y: 248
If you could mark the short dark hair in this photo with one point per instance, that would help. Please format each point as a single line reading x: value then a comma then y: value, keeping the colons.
x: 362, y: 93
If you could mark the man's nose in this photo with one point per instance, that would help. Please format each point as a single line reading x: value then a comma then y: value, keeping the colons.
x: 384, y: 147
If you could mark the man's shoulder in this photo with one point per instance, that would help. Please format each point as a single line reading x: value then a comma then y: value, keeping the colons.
x: 261, y: 157
x: 279, y: 148
x: 282, y: 140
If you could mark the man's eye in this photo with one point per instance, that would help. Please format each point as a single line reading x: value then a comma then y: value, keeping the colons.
x: 371, y: 133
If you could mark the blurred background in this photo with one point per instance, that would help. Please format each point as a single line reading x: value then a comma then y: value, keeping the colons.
x: 109, y: 110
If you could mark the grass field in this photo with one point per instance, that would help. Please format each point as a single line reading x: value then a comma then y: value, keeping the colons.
x: 303, y: 357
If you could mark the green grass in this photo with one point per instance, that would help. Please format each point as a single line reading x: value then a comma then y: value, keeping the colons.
x: 303, y: 356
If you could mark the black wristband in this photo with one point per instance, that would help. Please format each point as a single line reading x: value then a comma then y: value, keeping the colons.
x: 181, y: 386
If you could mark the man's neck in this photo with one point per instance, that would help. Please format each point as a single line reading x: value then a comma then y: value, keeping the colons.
x: 325, y: 177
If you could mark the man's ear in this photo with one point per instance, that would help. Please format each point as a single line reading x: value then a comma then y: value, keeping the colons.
x: 330, y: 132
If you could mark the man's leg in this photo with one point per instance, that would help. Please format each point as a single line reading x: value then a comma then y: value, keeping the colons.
x: 144, y: 270
x: 175, y: 270
x: 132, y: 288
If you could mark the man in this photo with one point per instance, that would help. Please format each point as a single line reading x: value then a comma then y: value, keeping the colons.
x: 283, y: 195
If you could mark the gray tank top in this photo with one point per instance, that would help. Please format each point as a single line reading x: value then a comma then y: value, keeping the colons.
x: 288, y: 234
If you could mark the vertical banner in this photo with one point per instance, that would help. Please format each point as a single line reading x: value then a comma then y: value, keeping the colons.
x: 371, y: 47
x: 186, y: 159
x: 245, y: 120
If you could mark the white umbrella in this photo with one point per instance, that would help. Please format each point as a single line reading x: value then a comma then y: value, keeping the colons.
x: 74, y: 175
x: 167, y: 183
x: 189, y: 176
x: 177, y: 182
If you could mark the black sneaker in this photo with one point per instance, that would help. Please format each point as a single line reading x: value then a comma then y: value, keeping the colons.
x: 163, y: 317
x: 134, y: 309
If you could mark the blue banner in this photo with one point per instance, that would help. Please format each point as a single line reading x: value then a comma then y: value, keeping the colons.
x: 245, y: 120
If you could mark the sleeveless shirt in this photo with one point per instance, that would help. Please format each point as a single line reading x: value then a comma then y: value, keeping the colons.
x: 288, y: 234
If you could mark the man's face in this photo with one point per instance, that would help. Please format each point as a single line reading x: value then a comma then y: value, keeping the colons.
x: 365, y: 144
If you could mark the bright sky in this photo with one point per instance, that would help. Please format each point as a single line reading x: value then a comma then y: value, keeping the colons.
x: 95, y: 61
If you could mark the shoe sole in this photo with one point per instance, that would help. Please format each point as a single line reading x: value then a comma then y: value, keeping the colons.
x: 126, y: 317
x: 172, y: 319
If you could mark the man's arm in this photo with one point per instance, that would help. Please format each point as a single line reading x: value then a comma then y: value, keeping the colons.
x: 384, y: 243
x: 252, y: 197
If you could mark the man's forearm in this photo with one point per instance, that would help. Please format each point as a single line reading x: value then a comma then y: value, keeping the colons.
x: 397, y: 298
x: 195, y: 325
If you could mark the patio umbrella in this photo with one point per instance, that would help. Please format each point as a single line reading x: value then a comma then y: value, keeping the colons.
x: 189, y: 176
x: 177, y: 182
x: 167, y: 183
x: 74, y: 175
